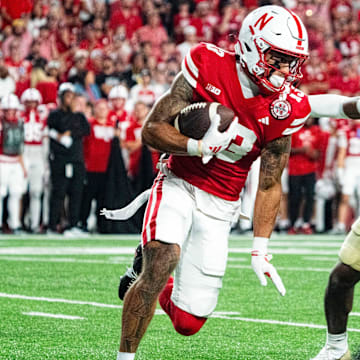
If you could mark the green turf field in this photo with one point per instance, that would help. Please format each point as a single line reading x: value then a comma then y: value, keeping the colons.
x: 58, y: 301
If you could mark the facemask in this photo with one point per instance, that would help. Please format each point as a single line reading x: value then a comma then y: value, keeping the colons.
x: 276, y: 80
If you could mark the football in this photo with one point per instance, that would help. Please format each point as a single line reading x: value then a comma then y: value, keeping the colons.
x: 194, y: 120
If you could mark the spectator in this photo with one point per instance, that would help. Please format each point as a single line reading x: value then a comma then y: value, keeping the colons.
x: 12, y: 169
x: 18, y: 68
x: 12, y: 10
x: 37, y: 19
x: 48, y: 48
x: 7, y: 83
x: 47, y: 83
x: 120, y: 47
x: 143, y: 91
x: 108, y: 78
x: 316, y: 78
x: 153, y: 32
x: 127, y: 14
x: 302, y: 176
x: 181, y: 20
x: 37, y: 61
x: 348, y: 83
x: 190, y: 39
x: 67, y: 169
x: 96, y: 153
x: 19, y: 36
x: 204, y: 21
x: 82, y: 77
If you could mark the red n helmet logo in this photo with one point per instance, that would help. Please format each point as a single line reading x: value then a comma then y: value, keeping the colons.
x: 263, y: 20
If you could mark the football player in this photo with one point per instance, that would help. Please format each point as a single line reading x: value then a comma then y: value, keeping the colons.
x: 34, y: 157
x: 12, y: 169
x: 194, y: 200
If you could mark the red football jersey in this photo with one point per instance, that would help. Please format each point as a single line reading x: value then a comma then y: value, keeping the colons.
x: 301, y: 164
x: 97, y: 145
x: 34, y: 127
x: 214, y: 75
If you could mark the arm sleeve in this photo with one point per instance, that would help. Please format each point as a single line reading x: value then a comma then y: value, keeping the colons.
x: 328, y: 105
x: 51, y: 121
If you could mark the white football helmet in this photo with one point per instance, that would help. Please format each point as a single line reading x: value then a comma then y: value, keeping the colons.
x: 64, y: 87
x: 10, y: 102
x: 272, y: 28
x: 118, y: 91
x: 31, y: 94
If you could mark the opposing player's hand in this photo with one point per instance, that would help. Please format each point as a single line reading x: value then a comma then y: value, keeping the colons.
x: 109, y: 214
x: 262, y: 268
x: 215, y: 141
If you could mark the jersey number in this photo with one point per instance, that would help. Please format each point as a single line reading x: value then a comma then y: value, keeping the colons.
x: 216, y: 50
x: 241, y: 145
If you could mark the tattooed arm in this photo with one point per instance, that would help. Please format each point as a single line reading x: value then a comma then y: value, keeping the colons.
x: 157, y: 131
x: 274, y: 158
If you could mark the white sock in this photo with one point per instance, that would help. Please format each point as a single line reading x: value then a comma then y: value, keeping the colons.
x: 35, y: 209
x: 14, y: 211
x: 337, y: 343
x: 125, y: 356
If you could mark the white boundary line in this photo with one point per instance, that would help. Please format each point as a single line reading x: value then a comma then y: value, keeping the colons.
x: 55, y: 316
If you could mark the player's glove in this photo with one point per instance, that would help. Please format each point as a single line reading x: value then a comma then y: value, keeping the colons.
x: 260, y: 262
x: 213, y: 141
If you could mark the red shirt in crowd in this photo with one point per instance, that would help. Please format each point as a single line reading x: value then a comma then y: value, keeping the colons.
x: 48, y: 91
x: 97, y: 145
x: 131, y: 23
x: 17, y: 8
x: 302, y: 164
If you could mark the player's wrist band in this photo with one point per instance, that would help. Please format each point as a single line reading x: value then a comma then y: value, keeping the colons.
x: 194, y: 147
x: 260, y: 244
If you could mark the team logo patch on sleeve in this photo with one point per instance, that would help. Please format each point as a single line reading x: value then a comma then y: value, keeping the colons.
x: 280, y: 109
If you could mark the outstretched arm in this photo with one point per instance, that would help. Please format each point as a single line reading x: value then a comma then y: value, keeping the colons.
x: 274, y: 158
x: 335, y: 106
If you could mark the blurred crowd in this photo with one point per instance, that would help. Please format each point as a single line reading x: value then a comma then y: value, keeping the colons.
x: 119, y: 56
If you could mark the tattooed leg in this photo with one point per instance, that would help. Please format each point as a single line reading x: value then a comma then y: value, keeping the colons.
x: 160, y: 260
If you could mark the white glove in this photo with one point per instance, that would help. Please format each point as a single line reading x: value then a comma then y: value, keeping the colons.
x: 260, y: 262
x: 213, y: 141
x: 109, y: 214
x: 66, y: 141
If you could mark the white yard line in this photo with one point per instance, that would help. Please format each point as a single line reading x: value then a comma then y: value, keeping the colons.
x: 290, y: 268
x: 320, y: 258
x: 56, y: 300
x: 110, y: 250
x: 76, y: 250
x: 55, y: 316
x: 276, y: 322
x: 119, y: 260
x: 227, y: 315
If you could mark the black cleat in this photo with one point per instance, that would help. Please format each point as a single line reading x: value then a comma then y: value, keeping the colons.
x: 131, y: 274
